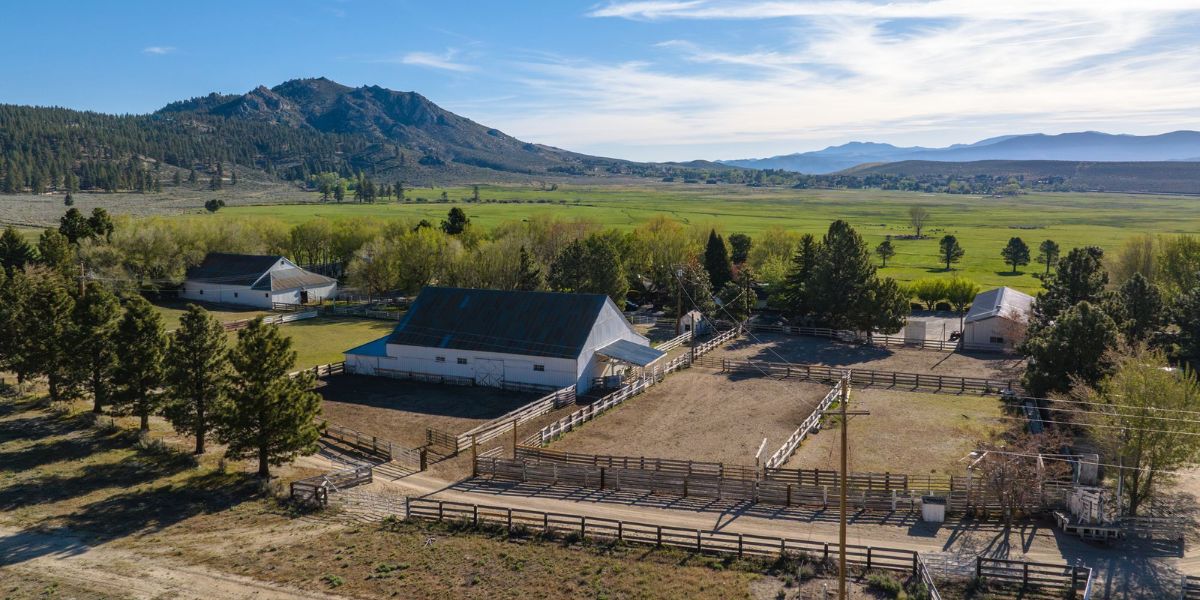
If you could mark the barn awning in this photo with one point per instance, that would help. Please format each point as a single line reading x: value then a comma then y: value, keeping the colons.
x: 629, y: 352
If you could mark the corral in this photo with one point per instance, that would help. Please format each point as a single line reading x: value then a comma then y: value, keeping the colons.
x: 401, y: 411
x: 699, y: 415
x: 781, y: 347
x: 906, y: 432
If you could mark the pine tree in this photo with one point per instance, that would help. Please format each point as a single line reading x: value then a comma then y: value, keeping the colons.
x: 15, y: 292
x: 950, y: 250
x: 192, y: 177
x: 1016, y: 253
x: 197, y: 375
x: 456, y: 221
x: 96, y: 316
x: 55, y: 252
x: 1048, y: 254
x: 74, y: 226
x: 15, y: 252
x: 799, y: 277
x: 270, y: 414
x: 716, y: 261
x: 1075, y: 348
x: 1079, y: 276
x: 139, y: 374
x: 884, y: 251
x: 529, y: 276
x: 47, y: 331
x: 1138, y: 308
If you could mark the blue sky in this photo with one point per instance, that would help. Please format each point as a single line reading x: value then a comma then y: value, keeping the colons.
x: 648, y: 79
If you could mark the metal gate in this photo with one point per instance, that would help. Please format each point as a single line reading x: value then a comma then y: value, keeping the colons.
x: 489, y: 372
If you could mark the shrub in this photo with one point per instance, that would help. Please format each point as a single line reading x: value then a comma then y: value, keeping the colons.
x: 886, y: 584
x: 332, y: 580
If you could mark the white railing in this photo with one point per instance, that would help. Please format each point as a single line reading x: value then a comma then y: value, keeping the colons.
x: 789, y: 447
x: 675, y: 342
x: 505, y: 423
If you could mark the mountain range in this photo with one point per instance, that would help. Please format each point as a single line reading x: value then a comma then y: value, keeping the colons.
x: 1082, y: 146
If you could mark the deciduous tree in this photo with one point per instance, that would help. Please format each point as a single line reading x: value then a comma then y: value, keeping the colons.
x: 918, y: 216
x: 960, y: 292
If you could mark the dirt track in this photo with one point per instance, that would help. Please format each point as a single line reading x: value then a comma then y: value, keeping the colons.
x: 700, y: 415
x: 777, y: 347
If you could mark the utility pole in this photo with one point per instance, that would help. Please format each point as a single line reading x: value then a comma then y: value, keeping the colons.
x: 845, y: 414
x: 679, y: 302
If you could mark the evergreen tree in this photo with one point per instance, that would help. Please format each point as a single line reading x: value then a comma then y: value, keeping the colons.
x: 196, y: 375
x: 1074, y: 348
x: 270, y: 414
x: 233, y: 178
x: 214, y: 182
x: 96, y: 316
x: 456, y: 221
x: 740, y: 244
x: 842, y: 277
x: 716, y: 261
x: 15, y: 252
x: 74, y: 226
x: 100, y: 224
x: 1016, y: 253
x: 142, y: 344
x: 68, y: 200
x: 1186, y: 315
x: 192, y: 177
x: 56, y: 252
x: 15, y: 293
x: 885, y: 251
x: 177, y: 179
x: 529, y: 276
x: 950, y: 251
x: 47, y: 331
x: 1080, y: 276
x: 799, y: 278
x: 888, y: 308
x: 1138, y: 308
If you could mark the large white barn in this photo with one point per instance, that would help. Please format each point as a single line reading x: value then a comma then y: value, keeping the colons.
x: 494, y: 337
x: 997, y: 319
x: 254, y: 280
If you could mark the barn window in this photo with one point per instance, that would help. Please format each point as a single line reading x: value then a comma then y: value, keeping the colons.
x: 539, y: 367
x: 267, y: 295
x: 201, y: 292
x: 462, y: 361
x: 997, y: 340
x: 235, y: 294
x: 439, y: 359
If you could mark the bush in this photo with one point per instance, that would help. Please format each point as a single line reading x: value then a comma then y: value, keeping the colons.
x: 886, y: 584
x: 332, y: 580
x: 943, y: 307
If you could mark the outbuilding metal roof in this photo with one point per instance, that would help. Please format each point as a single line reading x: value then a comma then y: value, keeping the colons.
x: 1002, y: 301
x: 292, y: 278
x: 526, y: 323
x: 372, y: 348
x: 629, y: 352
x: 248, y: 270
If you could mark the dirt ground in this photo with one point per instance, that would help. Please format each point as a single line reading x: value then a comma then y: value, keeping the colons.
x: 778, y: 347
x: 906, y: 432
x: 700, y: 415
x: 400, y: 411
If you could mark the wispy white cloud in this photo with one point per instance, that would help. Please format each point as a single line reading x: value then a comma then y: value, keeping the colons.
x: 158, y: 50
x: 445, y: 61
x: 944, y: 70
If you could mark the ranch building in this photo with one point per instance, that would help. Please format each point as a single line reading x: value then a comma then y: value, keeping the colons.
x: 997, y: 320
x: 254, y: 280
x: 501, y: 338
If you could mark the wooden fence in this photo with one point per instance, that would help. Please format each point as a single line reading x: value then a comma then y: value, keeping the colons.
x: 505, y: 423
x: 363, y: 311
x: 809, y: 424
x: 271, y: 320
x: 675, y: 342
x: 425, y: 377
x: 1189, y: 587
x: 661, y: 465
x: 316, y: 490
x: 865, y: 377
x: 1029, y: 575
x: 373, y: 446
x: 440, y: 442
x: 321, y: 371
x: 699, y: 540
x: 860, y: 338
x: 926, y: 578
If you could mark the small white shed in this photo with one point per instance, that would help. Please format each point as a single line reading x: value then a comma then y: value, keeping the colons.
x: 496, y: 338
x: 254, y: 280
x: 997, y: 320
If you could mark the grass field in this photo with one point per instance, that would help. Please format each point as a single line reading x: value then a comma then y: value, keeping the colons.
x: 983, y: 225
x: 906, y: 432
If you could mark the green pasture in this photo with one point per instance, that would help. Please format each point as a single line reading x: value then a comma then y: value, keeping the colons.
x: 983, y: 225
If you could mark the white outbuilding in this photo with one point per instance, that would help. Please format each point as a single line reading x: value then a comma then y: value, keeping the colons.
x: 498, y: 338
x: 997, y: 320
x: 254, y: 280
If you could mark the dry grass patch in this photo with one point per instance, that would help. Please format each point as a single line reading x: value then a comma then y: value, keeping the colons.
x: 906, y: 432
x: 700, y: 415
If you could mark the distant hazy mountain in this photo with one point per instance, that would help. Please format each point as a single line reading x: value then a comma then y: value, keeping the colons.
x: 1083, y: 146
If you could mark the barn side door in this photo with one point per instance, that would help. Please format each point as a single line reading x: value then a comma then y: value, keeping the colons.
x: 489, y: 372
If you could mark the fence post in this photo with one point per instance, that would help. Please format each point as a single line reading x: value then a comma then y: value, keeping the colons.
x: 978, y: 567
x: 914, y: 564
x: 407, y: 510
x: 620, y: 531
x: 1024, y: 575
x: 475, y: 515
x: 739, y: 545
x: 510, y: 521
x: 582, y: 527
x: 868, y: 557
x: 658, y: 540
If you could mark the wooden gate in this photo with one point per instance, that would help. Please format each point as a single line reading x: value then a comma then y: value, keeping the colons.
x: 489, y: 373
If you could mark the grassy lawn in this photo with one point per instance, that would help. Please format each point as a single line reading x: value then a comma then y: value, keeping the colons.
x: 906, y: 432
x: 171, y: 312
x: 983, y: 225
x: 323, y: 340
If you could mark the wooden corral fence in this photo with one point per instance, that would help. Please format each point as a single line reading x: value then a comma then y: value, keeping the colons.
x: 425, y: 377
x: 865, y: 377
x: 876, y: 339
x: 640, y: 319
x: 629, y: 390
x: 700, y: 540
x: 675, y: 342
x: 316, y: 490
x: 441, y: 443
x: 1034, y: 575
x: 271, y: 320
x: 809, y: 424
x: 384, y: 450
x: 322, y: 371
x: 1189, y: 587
x: 662, y: 465
x: 361, y: 310
x: 926, y: 578
x: 505, y: 423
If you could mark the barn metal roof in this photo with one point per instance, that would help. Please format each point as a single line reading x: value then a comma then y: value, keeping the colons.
x: 372, y: 348
x: 232, y: 269
x: 526, y: 323
x: 1002, y: 301
x: 292, y: 278
x: 629, y: 352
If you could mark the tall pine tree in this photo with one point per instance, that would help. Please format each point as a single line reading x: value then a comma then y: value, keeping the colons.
x: 271, y: 415
x: 716, y: 261
x: 15, y: 251
x: 47, y: 331
x: 139, y: 372
x: 97, y: 314
x: 197, y: 375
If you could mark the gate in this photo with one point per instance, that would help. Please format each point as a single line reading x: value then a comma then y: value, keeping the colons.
x: 489, y: 373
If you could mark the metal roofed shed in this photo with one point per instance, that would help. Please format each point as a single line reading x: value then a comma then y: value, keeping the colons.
x: 631, y: 353
x: 997, y: 319
x: 501, y: 337
x: 254, y: 280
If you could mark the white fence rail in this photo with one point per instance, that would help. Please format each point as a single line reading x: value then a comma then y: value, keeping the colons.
x: 675, y: 342
x: 789, y: 447
x: 505, y: 423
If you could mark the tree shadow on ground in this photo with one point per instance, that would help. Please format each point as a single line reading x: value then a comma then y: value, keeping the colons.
x: 467, y: 402
x: 80, y: 446
x: 801, y: 349
x: 133, y: 470
x: 41, y: 426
